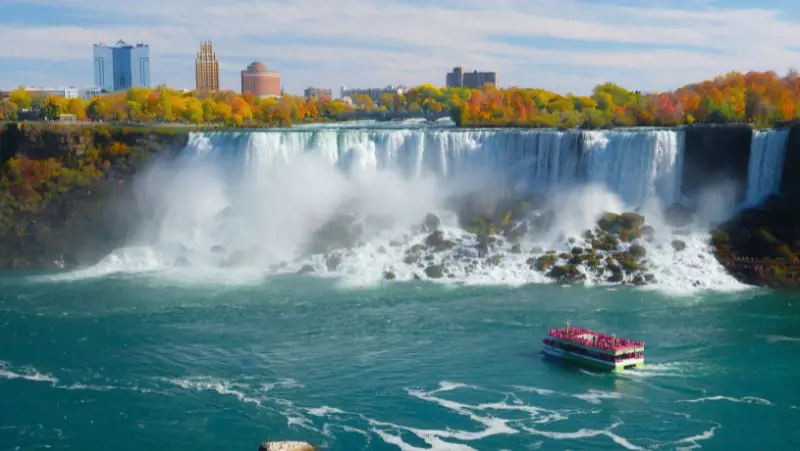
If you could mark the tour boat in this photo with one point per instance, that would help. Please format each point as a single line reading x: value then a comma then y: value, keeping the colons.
x: 596, y: 349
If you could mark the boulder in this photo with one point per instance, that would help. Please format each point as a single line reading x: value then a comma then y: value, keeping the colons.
x: 608, y: 221
x: 436, y: 240
x: 631, y: 220
x: 435, y: 271
x: 637, y: 251
x: 678, y: 245
x: 389, y: 275
x: 432, y: 222
x: 516, y: 249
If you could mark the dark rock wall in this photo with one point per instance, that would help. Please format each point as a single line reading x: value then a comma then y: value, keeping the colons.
x: 790, y: 182
x: 715, y: 155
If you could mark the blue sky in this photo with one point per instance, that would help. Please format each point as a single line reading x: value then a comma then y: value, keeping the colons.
x: 562, y: 45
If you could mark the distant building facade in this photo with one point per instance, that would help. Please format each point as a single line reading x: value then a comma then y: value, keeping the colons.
x: 318, y: 93
x: 260, y: 82
x: 373, y: 93
x: 472, y: 80
x: 121, y: 66
x: 207, y: 69
x: 84, y: 94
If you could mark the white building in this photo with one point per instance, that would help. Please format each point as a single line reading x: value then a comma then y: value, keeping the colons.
x: 85, y: 94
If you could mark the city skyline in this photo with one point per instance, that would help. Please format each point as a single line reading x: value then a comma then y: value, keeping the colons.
x: 562, y: 46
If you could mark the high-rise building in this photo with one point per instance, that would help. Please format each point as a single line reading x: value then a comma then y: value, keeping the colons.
x: 121, y: 66
x: 260, y: 82
x: 318, y: 93
x: 473, y: 80
x: 207, y: 69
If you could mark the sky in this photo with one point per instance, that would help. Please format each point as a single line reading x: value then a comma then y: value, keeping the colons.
x: 560, y: 45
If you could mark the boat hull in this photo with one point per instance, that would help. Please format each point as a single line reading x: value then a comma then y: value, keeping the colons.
x: 593, y: 362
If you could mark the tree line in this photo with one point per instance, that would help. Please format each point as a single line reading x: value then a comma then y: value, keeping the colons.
x: 758, y: 98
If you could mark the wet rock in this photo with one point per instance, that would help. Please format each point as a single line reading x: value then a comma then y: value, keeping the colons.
x: 631, y: 220
x: 417, y: 277
x: 435, y: 271
x: 608, y: 221
x: 637, y: 251
x: 638, y: 280
x: 544, y: 262
x: 678, y: 245
x: 566, y: 274
x: 616, y: 276
x: 516, y: 249
x: 648, y: 232
x: 650, y: 278
x: 333, y: 261
x: 495, y: 260
x: 537, y: 250
x: 577, y: 250
x: 432, y: 222
x: 436, y: 240
x: 389, y: 275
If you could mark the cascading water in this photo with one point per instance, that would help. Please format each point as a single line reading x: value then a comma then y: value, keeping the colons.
x: 254, y: 199
x: 766, y: 164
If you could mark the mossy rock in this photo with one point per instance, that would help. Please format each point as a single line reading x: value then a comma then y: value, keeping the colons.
x: 637, y: 251
x: 588, y: 235
x: 565, y: 274
x: 608, y: 221
x: 544, y: 262
x: 631, y: 220
x: 564, y: 256
x: 577, y: 250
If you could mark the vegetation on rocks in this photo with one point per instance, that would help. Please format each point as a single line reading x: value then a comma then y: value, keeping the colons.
x: 57, y: 187
x: 760, y: 245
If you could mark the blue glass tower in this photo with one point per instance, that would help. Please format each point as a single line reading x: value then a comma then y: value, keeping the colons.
x: 121, y: 66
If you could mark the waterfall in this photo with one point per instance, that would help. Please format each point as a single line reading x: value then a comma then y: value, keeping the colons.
x: 635, y: 165
x: 767, y: 152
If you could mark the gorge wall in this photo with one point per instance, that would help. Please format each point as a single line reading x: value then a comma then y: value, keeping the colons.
x: 65, y: 197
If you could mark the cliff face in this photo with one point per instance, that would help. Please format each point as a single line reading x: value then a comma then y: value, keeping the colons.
x: 65, y: 190
x: 715, y: 155
x: 790, y: 183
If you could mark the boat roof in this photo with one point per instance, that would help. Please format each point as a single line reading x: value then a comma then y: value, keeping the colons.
x: 597, y: 340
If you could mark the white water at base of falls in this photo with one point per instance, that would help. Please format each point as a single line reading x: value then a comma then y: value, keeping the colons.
x: 765, y: 170
x: 236, y: 206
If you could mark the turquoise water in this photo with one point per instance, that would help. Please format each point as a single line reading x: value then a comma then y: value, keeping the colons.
x: 135, y: 363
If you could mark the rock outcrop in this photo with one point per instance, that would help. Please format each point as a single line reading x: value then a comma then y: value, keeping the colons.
x: 65, y: 191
